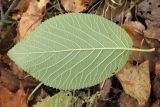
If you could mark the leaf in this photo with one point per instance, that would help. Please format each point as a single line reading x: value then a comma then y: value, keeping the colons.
x: 135, y: 30
x: 135, y: 81
x: 73, y: 51
x: 62, y: 99
x: 31, y: 18
x: 76, y: 5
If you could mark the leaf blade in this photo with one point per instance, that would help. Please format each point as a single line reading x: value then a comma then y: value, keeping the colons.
x: 66, y: 47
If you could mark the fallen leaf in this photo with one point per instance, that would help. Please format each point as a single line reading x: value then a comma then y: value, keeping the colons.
x: 135, y: 31
x: 76, y: 5
x: 152, y: 24
x: 42, y: 4
x: 135, y: 81
x: 152, y: 36
x: 61, y: 99
x: 22, y: 5
x: 9, y: 99
x: 153, y: 33
x: 20, y: 8
x: 31, y: 18
x: 150, y: 11
x: 127, y: 101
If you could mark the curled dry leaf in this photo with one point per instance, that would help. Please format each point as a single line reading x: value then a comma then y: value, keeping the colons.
x: 31, y: 18
x: 9, y: 99
x: 76, y: 5
x: 135, y: 81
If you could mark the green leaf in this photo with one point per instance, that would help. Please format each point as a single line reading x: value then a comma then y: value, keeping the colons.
x: 73, y: 51
x: 62, y: 99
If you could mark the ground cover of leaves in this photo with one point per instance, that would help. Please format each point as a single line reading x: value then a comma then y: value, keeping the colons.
x: 137, y: 84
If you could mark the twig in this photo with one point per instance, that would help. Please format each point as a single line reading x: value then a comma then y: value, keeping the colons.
x: 14, y: 3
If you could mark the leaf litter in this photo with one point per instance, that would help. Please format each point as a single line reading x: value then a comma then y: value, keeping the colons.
x: 135, y: 80
x: 146, y: 36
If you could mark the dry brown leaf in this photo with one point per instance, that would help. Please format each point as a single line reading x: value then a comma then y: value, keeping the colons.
x: 22, y: 5
x: 135, y: 81
x: 42, y: 4
x: 31, y: 18
x: 76, y: 5
x: 20, y: 8
x: 134, y: 29
x: 153, y: 33
x: 149, y: 9
x: 9, y: 99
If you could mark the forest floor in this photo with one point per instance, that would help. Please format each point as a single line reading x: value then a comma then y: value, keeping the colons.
x: 137, y: 84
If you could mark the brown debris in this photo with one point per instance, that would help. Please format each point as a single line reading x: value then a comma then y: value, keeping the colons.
x: 31, y: 18
x: 135, y: 31
x: 76, y: 5
x: 115, y: 11
x: 150, y: 10
x: 153, y: 33
x: 135, y: 81
x: 9, y: 80
x: 9, y: 99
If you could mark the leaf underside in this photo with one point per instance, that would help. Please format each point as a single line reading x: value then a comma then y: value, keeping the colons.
x: 73, y: 51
